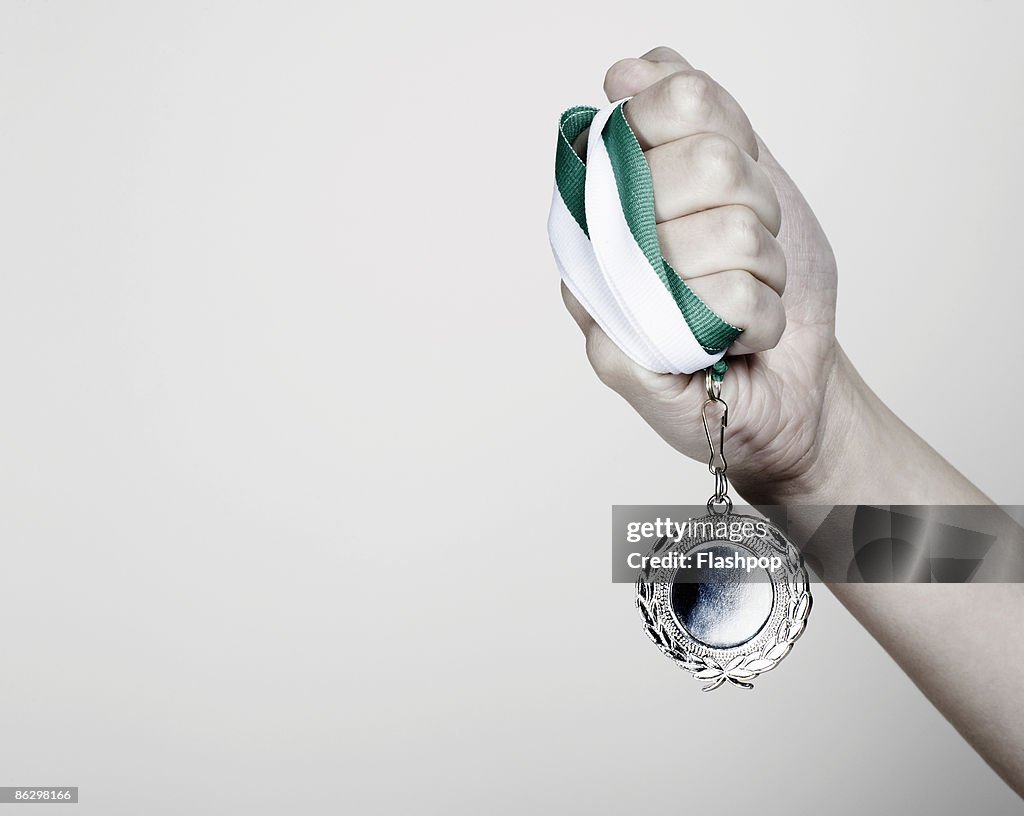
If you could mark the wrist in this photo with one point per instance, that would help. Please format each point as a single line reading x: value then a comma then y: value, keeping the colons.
x: 852, y: 427
x: 864, y: 454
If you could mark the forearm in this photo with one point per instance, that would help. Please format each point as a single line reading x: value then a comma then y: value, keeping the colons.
x: 865, y: 455
x: 951, y: 639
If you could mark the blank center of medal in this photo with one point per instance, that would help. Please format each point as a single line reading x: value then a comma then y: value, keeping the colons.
x: 721, y: 607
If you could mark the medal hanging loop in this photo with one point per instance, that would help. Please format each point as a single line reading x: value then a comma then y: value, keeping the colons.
x: 720, y: 503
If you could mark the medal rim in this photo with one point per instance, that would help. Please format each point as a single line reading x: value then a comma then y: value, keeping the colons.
x: 736, y: 665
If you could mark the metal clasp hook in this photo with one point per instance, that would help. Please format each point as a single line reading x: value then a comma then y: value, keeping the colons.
x: 720, y: 452
x: 719, y: 503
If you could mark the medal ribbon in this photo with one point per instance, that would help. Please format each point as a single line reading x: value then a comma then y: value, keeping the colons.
x: 605, y: 241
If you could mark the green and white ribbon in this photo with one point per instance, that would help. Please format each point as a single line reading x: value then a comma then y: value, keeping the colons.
x: 605, y: 241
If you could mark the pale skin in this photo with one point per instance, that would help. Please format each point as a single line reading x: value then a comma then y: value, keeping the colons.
x: 810, y: 431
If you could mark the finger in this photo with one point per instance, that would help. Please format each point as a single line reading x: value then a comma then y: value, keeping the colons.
x: 708, y: 170
x: 682, y: 104
x: 730, y: 237
x: 625, y: 78
x: 665, y: 54
x: 629, y: 76
x: 579, y: 314
x: 740, y: 299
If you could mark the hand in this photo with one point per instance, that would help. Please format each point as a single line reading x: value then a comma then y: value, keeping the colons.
x: 736, y: 228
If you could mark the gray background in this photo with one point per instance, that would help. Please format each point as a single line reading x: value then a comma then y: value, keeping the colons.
x: 305, y: 479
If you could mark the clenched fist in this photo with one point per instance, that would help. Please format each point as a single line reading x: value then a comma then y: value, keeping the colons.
x: 736, y: 229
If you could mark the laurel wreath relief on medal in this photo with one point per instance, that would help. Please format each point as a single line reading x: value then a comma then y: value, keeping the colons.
x: 742, y: 668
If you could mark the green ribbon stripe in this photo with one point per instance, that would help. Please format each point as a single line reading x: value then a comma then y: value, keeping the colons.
x: 636, y: 194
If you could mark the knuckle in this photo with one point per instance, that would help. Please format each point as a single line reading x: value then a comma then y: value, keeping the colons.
x: 743, y: 231
x: 744, y: 298
x: 757, y: 309
x: 720, y: 160
x: 781, y: 265
x: 691, y: 95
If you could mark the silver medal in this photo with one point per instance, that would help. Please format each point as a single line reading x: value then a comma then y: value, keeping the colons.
x: 728, y: 597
